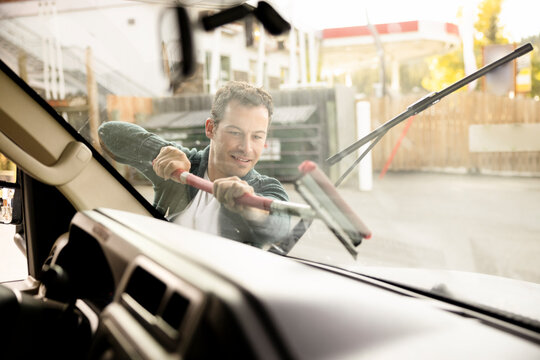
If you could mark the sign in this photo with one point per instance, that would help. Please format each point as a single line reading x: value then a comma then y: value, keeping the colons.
x: 504, y: 137
x: 500, y: 81
x: 523, y: 74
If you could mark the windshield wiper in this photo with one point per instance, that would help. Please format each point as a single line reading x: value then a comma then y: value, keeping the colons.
x: 376, y: 135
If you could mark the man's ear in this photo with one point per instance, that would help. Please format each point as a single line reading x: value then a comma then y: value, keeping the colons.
x: 210, y: 128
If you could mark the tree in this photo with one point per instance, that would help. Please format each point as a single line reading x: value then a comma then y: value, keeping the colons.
x: 444, y: 70
x: 6, y: 164
x: 535, y: 63
x: 448, y: 68
x: 411, y: 75
x: 487, y: 24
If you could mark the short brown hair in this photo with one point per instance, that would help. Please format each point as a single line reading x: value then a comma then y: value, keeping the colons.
x: 245, y: 94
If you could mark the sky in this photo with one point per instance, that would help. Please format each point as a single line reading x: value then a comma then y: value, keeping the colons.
x: 520, y: 18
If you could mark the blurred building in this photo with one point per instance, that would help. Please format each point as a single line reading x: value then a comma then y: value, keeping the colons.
x: 140, y: 34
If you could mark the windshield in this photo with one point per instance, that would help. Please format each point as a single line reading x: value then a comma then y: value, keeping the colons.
x: 184, y: 102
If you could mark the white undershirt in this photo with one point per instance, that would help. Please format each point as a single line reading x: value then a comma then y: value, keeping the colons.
x: 201, y: 213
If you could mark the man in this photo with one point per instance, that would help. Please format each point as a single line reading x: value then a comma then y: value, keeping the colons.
x: 237, y: 129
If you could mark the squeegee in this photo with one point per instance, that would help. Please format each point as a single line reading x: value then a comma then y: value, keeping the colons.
x: 324, y: 202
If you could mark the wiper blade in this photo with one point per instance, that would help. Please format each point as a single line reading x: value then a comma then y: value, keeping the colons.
x: 419, y: 106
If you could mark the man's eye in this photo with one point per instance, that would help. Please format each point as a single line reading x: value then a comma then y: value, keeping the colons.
x: 235, y: 133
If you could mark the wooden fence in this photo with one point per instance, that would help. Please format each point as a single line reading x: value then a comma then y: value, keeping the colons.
x: 438, y: 138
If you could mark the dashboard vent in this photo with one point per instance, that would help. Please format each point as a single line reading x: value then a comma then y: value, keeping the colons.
x: 168, y: 307
x: 175, y: 310
x: 146, y: 289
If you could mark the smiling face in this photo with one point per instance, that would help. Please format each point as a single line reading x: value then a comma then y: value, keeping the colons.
x: 237, y: 141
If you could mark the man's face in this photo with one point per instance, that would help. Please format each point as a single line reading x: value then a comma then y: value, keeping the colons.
x: 237, y: 141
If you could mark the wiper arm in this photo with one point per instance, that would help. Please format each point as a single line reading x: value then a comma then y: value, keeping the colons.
x: 418, y: 107
x: 357, y: 161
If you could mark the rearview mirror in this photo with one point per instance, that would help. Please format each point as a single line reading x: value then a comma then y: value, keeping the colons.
x: 11, y: 203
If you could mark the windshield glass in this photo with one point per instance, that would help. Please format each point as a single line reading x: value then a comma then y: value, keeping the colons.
x: 184, y: 102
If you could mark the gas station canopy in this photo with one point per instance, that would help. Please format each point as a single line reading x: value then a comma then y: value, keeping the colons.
x: 353, y: 48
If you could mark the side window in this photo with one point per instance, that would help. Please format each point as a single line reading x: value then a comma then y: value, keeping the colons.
x: 8, y: 187
x: 8, y: 170
x: 13, y: 264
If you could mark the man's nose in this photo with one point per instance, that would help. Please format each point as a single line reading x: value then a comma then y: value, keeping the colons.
x: 245, y: 144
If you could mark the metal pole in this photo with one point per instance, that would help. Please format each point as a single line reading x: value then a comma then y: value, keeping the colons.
x: 93, y: 100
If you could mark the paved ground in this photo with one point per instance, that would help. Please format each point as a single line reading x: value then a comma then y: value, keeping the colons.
x: 462, y: 222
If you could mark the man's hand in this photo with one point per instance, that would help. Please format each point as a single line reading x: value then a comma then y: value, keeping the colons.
x: 227, y: 190
x: 169, y: 160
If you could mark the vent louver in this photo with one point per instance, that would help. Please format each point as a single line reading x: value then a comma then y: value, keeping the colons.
x: 146, y: 289
x: 175, y: 310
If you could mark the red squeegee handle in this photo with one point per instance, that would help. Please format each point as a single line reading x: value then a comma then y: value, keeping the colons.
x: 255, y: 201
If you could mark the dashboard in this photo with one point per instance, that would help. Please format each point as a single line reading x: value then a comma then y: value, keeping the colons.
x: 153, y: 290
